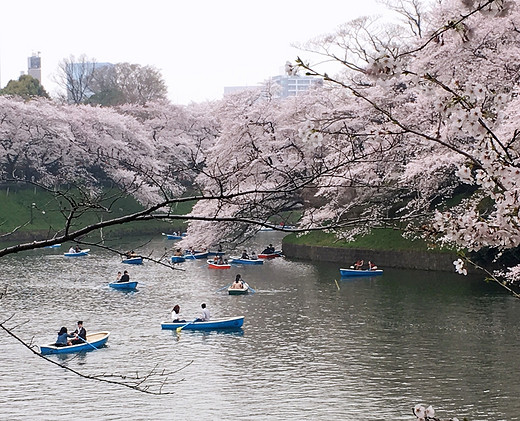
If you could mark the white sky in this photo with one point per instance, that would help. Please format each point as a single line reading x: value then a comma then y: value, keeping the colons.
x: 199, y: 46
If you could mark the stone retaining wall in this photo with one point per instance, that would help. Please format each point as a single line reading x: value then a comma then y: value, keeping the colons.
x: 382, y: 258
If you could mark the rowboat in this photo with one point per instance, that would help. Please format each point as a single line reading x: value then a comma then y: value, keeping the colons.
x: 239, y: 291
x: 172, y: 236
x: 216, y: 253
x: 94, y: 341
x: 123, y: 285
x: 277, y: 253
x: 77, y: 253
x: 177, y: 259
x: 239, y: 260
x: 214, y: 324
x: 133, y: 260
x: 360, y: 272
x: 213, y: 265
x: 196, y: 255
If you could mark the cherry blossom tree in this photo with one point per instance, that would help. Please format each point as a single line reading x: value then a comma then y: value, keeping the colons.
x: 446, y: 102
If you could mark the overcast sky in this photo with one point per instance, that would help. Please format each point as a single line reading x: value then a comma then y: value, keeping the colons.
x: 199, y: 46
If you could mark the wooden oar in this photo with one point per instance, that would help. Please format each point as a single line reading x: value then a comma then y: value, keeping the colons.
x: 252, y: 290
x: 178, y: 330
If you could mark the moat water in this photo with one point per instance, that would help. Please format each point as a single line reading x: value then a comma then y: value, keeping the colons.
x: 313, y: 346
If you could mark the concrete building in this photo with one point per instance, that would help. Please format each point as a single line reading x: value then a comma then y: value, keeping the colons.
x: 285, y: 85
x: 34, y: 66
x: 294, y: 85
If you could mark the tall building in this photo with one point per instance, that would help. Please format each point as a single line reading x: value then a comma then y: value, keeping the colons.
x: 34, y: 66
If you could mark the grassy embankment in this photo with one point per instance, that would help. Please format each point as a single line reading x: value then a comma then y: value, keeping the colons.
x: 38, y: 215
x: 378, y: 239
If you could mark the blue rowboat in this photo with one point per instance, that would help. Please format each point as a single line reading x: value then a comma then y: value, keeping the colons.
x: 123, y: 285
x: 177, y: 259
x: 358, y: 272
x: 77, y: 253
x: 133, y: 261
x: 216, y: 253
x: 172, y: 236
x: 196, y: 255
x: 94, y: 341
x: 214, y: 324
x: 240, y: 261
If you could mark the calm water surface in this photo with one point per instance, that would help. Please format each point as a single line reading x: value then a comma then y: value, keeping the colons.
x: 368, y: 351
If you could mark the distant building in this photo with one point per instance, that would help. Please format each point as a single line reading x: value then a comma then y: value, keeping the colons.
x: 294, y: 85
x: 288, y: 85
x: 34, y: 66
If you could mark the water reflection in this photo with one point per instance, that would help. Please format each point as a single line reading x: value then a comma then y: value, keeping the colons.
x: 307, y: 350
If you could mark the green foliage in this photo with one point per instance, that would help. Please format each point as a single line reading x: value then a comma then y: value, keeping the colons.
x: 107, y: 98
x: 26, y: 86
x: 37, y: 212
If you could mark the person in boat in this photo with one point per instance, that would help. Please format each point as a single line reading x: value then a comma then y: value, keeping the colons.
x: 358, y: 265
x: 253, y: 256
x: 118, y: 277
x: 371, y: 266
x: 80, y: 334
x: 269, y: 249
x: 130, y: 254
x: 63, y: 337
x: 205, y: 314
x: 77, y: 249
x: 244, y: 255
x: 239, y: 282
x: 176, y: 314
x: 72, y: 249
x: 125, y: 277
x: 177, y: 252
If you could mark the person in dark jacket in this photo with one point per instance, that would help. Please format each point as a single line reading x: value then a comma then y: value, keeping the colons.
x: 80, y: 334
x: 125, y: 277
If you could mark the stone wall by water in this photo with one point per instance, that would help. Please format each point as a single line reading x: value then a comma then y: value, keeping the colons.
x: 382, y: 258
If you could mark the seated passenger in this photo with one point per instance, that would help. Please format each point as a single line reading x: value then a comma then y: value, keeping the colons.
x: 244, y: 255
x: 176, y: 315
x: 358, y: 265
x: 63, y: 337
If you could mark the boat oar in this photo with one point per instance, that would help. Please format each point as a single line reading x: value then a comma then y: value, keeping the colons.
x: 87, y: 342
x: 252, y: 290
x: 178, y: 330
x: 227, y: 286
